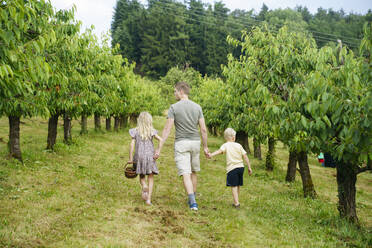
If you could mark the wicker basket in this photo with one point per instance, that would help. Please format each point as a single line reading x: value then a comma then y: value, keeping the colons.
x: 129, y: 172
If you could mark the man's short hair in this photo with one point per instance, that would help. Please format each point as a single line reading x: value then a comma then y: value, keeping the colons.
x: 183, y: 86
x: 229, y: 133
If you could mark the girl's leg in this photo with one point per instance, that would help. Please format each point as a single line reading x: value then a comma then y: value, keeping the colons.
x: 150, y: 179
x: 144, y: 187
x: 235, y: 194
x: 143, y: 183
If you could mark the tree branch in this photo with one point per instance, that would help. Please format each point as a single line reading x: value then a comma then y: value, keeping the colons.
x: 365, y: 168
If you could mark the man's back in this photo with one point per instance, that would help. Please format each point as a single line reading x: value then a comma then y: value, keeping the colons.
x: 186, y: 115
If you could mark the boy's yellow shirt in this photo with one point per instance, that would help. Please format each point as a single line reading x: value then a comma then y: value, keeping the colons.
x: 234, y: 155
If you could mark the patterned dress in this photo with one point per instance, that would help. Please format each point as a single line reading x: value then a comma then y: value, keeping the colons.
x: 144, y: 154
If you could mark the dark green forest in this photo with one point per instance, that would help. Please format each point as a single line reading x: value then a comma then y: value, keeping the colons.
x: 167, y: 33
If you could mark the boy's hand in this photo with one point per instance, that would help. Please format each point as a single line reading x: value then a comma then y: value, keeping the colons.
x: 130, y: 162
x: 249, y: 171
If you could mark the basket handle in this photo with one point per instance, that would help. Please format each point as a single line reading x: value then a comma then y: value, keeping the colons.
x: 125, y: 166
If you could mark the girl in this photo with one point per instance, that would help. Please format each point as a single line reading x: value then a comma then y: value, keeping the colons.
x: 143, y: 160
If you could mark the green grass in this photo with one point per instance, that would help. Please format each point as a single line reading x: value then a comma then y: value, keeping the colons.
x: 78, y: 196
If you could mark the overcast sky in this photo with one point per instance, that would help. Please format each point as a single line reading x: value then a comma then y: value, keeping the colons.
x: 99, y: 12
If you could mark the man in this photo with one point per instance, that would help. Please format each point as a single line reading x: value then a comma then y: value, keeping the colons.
x: 186, y: 116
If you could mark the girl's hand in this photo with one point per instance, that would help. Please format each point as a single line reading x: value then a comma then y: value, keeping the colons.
x: 130, y: 162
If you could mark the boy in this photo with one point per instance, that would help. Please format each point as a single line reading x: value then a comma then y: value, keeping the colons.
x: 235, y: 166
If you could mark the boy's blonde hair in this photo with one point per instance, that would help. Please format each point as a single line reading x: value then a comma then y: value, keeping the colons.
x: 144, y: 125
x: 229, y: 133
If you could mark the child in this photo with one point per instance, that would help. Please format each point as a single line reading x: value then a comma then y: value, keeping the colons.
x: 235, y: 166
x: 143, y: 159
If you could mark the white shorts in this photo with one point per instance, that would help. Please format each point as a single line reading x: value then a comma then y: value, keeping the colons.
x: 187, y: 156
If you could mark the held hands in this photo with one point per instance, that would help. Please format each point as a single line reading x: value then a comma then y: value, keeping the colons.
x: 130, y: 161
x: 209, y: 155
x: 206, y: 152
x: 157, y: 154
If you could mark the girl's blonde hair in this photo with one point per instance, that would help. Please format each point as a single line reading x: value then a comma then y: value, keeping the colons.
x: 144, y: 125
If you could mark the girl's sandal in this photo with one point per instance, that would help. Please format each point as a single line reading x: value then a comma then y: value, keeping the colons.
x: 145, y: 192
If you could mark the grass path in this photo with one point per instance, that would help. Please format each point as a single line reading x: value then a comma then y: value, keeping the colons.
x: 77, y: 196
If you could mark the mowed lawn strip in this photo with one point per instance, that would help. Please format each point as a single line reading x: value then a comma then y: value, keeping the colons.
x: 78, y: 196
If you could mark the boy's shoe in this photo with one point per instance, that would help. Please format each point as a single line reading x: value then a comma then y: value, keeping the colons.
x: 236, y: 206
x: 194, y: 206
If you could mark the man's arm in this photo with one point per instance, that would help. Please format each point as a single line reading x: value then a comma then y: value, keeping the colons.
x: 204, y: 134
x: 166, y: 131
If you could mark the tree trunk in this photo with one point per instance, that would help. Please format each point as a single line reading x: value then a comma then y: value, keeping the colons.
x: 84, y: 124
x: 97, y: 122
x: 346, y: 180
x: 270, y: 154
x: 291, y: 170
x: 248, y: 150
x: 108, y: 124
x: 52, y: 131
x: 116, y: 123
x: 307, y: 182
x: 14, y: 138
x: 242, y: 138
x: 133, y: 119
x: 123, y: 121
x: 67, y: 129
x: 210, y: 129
x: 256, y: 149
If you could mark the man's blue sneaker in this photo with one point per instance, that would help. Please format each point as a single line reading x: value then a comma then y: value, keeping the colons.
x: 194, y: 206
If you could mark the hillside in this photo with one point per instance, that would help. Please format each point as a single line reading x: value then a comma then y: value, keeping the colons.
x: 78, y: 196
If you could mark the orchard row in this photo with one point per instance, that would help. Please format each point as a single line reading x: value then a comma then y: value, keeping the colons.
x: 49, y: 69
x: 282, y: 87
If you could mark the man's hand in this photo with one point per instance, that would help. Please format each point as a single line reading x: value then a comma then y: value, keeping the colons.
x: 249, y: 171
x: 206, y: 151
x: 156, y: 154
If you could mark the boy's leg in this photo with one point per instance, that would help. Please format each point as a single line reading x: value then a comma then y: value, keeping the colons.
x: 150, y: 179
x: 235, y: 194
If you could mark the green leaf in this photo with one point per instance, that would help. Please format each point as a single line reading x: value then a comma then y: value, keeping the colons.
x: 303, y: 121
x: 327, y: 121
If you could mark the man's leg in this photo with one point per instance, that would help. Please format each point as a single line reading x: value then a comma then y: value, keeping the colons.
x: 188, y: 183
x: 194, y: 181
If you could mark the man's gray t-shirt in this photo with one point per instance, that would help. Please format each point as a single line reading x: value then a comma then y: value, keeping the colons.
x: 186, y: 115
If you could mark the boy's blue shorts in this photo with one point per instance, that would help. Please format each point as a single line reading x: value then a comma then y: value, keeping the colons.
x: 235, y: 177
